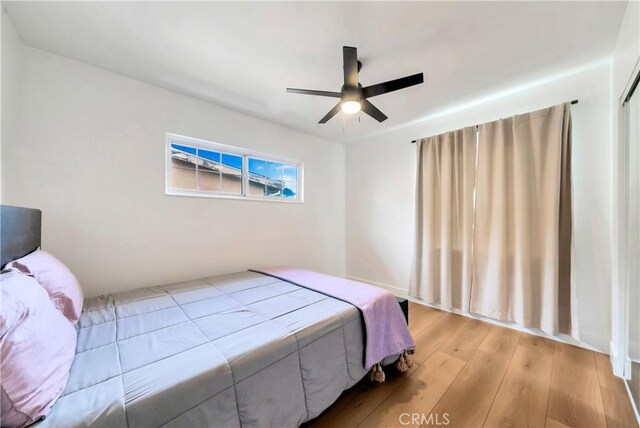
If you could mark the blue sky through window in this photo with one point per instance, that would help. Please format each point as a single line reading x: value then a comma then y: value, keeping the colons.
x: 289, y: 172
x: 274, y: 170
x: 232, y: 160
x: 185, y: 149
x: 207, y: 154
x: 256, y: 166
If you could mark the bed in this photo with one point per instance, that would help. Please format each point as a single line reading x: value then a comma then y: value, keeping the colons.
x: 244, y: 349
x: 241, y: 349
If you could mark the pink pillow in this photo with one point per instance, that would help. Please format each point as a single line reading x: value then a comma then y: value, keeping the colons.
x: 62, y: 286
x: 37, y: 348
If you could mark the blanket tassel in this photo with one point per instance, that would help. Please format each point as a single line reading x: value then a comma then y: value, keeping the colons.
x: 377, y: 374
x: 404, y: 363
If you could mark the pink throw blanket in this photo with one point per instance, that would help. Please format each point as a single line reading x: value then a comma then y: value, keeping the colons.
x: 386, y: 328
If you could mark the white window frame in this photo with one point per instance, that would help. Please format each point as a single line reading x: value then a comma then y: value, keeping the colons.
x: 172, y: 138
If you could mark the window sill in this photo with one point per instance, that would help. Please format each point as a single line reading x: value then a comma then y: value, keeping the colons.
x: 235, y: 197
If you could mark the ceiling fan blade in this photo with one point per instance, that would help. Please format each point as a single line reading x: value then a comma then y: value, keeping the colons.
x: 392, y: 85
x: 331, y: 113
x: 350, y: 65
x: 313, y: 92
x: 373, y: 111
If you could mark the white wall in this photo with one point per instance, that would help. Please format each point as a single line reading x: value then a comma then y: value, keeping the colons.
x: 10, y: 88
x: 88, y: 149
x: 380, y: 178
x: 627, y: 52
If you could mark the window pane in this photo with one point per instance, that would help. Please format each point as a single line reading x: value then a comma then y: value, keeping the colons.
x: 183, y: 178
x: 208, y: 181
x: 290, y: 190
x: 274, y: 171
x: 231, y: 165
x: 184, y: 149
x: 232, y: 183
x: 256, y: 166
x: 232, y: 161
x: 182, y: 156
x: 178, y: 163
x: 289, y: 173
x: 257, y: 178
x: 275, y: 185
x: 208, y: 160
x: 274, y: 188
x: 256, y: 188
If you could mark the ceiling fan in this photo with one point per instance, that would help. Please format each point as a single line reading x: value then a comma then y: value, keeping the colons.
x: 353, y: 97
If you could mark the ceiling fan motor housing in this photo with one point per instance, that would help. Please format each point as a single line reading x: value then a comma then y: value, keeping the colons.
x: 351, y: 94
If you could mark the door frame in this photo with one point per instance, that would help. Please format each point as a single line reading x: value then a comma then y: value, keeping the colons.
x: 620, y: 341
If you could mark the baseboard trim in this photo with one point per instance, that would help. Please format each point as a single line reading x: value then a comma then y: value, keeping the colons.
x: 615, y: 363
x: 595, y: 341
x: 397, y: 291
x: 598, y: 343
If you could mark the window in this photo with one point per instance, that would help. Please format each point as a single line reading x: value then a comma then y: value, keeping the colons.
x: 201, y: 168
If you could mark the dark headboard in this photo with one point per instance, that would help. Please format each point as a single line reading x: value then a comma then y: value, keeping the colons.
x: 20, y: 230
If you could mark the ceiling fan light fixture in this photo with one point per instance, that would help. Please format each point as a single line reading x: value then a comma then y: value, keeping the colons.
x: 351, y: 107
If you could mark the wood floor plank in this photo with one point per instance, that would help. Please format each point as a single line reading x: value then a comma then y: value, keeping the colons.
x: 552, y: 423
x: 575, y: 398
x: 432, y: 337
x: 463, y: 343
x: 419, y: 393
x: 538, y: 344
x: 469, y: 398
x: 606, y: 378
x: 521, y: 400
x: 617, y: 406
x: 421, y: 316
x: 501, y: 341
x: 418, y: 307
x: 352, y: 409
x: 617, y: 409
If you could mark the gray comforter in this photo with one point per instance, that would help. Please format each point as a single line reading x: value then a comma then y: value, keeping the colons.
x: 236, y: 350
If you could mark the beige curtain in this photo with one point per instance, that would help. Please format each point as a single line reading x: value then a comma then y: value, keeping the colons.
x: 522, y: 235
x: 444, y: 219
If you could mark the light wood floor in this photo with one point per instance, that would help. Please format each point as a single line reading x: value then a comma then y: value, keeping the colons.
x: 485, y: 375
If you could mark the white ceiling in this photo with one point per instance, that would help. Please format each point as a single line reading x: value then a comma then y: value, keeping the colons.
x: 244, y: 55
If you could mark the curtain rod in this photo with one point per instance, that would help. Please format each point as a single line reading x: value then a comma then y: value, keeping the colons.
x: 572, y: 103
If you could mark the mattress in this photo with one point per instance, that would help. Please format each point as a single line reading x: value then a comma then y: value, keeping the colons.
x: 243, y: 349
